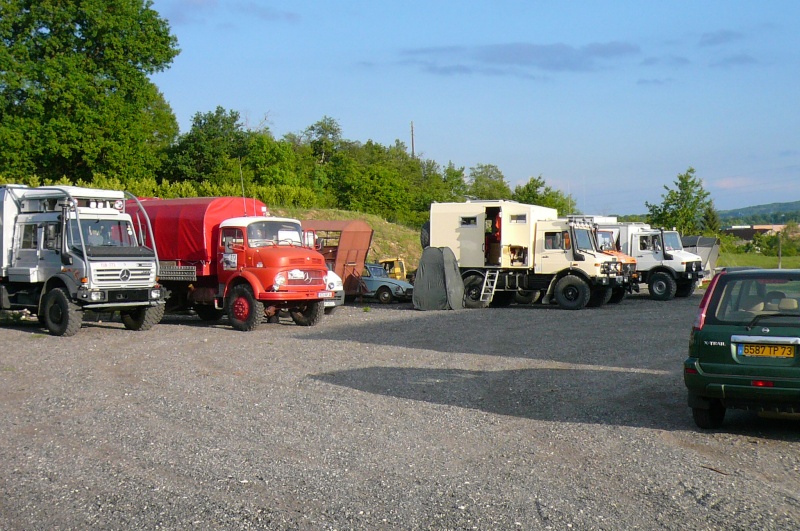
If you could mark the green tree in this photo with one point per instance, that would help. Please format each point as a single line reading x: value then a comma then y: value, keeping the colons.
x: 536, y: 192
x: 486, y: 181
x: 75, y: 93
x: 682, y: 207
x: 710, y: 221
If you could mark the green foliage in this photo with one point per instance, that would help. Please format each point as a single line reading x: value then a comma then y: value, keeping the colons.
x: 536, y: 192
x: 710, y: 221
x: 486, y: 181
x: 75, y: 95
x: 681, y: 207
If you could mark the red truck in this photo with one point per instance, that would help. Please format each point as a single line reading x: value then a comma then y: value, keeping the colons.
x: 226, y: 255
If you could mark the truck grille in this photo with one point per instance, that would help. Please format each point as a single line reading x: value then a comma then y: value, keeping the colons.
x: 304, y: 262
x: 311, y: 278
x: 123, y: 274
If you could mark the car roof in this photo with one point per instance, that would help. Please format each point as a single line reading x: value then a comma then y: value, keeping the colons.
x: 760, y: 273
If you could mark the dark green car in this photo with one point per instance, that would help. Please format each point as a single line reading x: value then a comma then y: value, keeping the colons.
x: 744, y: 350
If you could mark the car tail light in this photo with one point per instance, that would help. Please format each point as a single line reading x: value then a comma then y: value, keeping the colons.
x: 700, y: 320
x: 762, y: 383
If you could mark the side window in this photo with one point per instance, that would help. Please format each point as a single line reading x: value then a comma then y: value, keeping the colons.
x: 52, y: 236
x: 644, y: 243
x: 469, y: 222
x: 552, y: 240
x: 28, y: 237
x: 231, y: 236
x: 565, y: 239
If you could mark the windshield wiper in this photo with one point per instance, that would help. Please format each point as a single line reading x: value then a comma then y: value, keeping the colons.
x: 763, y: 316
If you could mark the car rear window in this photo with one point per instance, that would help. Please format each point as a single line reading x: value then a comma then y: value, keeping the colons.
x: 739, y: 299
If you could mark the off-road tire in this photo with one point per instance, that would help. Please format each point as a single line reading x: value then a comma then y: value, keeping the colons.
x: 572, y: 293
x: 61, y: 316
x: 599, y: 297
x: 662, y: 286
x: 142, y: 318
x: 473, y: 285
x: 527, y: 297
x: 618, y: 295
x: 685, y: 289
x: 308, y: 315
x: 425, y: 235
x: 208, y: 313
x: 384, y: 295
x: 711, y: 418
x: 245, y: 312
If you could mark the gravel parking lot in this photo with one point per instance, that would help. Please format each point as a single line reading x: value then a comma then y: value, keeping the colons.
x: 382, y: 417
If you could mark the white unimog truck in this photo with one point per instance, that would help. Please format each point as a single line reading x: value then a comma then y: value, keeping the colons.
x: 661, y: 262
x: 67, y: 249
x: 504, y: 248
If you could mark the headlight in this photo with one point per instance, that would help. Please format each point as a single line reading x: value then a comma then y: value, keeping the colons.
x: 155, y: 293
x: 96, y: 296
x: 280, y: 280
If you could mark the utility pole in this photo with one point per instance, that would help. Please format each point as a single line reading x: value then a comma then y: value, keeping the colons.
x: 412, y: 139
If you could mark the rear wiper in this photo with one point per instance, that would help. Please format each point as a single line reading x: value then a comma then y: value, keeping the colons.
x: 762, y: 316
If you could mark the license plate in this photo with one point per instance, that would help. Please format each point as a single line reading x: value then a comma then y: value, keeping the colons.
x: 766, y: 351
x: 325, y: 294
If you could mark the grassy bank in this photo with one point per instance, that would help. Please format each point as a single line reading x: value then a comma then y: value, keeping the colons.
x: 757, y: 260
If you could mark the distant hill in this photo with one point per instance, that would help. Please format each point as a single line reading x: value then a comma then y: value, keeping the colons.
x: 771, y: 211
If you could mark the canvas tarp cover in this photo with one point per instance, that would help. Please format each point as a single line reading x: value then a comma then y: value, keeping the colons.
x: 438, y: 284
x: 704, y: 247
x: 186, y: 230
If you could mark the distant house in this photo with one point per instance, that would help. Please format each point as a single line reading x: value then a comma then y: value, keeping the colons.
x: 746, y: 232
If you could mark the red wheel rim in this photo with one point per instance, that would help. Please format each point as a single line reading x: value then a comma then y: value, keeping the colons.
x: 241, y: 308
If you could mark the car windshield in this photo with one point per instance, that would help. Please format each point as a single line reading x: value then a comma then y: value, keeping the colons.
x: 583, y: 239
x: 377, y: 271
x: 101, y: 233
x: 605, y: 240
x: 273, y: 232
x: 749, y: 299
x: 672, y: 241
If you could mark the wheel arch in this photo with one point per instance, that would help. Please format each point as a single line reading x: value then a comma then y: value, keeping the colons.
x: 56, y: 281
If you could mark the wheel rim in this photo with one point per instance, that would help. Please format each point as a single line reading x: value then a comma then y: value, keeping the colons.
x: 570, y: 293
x: 241, y: 308
x: 55, y: 314
x: 659, y: 287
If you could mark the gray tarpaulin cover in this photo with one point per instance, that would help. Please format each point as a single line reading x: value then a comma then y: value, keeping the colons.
x: 438, y: 284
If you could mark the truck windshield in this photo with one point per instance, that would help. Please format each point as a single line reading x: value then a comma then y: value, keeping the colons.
x: 605, y: 240
x: 672, y: 241
x: 102, y: 233
x: 583, y: 239
x: 263, y: 233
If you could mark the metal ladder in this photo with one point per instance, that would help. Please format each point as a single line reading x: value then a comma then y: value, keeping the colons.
x: 489, y: 284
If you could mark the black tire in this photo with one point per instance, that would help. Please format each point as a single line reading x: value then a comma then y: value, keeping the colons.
x: 685, y: 289
x: 572, y: 293
x: 599, y: 297
x: 527, y: 297
x: 502, y: 299
x: 142, y: 318
x: 208, y: 313
x: 473, y: 285
x: 618, y: 295
x: 425, y: 235
x: 711, y: 418
x: 62, y: 317
x: 384, y: 295
x: 244, y: 311
x: 308, y: 315
x: 662, y: 286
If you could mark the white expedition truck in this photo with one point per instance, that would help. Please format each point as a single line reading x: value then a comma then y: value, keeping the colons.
x: 67, y: 249
x: 506, y: 248
x: 661, y: 262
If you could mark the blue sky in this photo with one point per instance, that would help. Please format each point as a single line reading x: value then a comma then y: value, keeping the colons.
x: 607, y: 101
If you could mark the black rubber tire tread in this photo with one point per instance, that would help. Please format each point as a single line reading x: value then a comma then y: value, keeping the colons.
x: 662, y: 286
x: 599, y: 297
x: 685, y: 289
x: 618, y: 295
x: 425, y: 235
x: 384, y: 295
x: 61, y: 316
x: 208, y: 313
x: 527, y: 297
x: 502, y: 299
x: 572, y: 293
x: 256, y: 314
x: 308, y: 315
x: 142, y: 318
x: 711, y: 418
x: 473, y: 284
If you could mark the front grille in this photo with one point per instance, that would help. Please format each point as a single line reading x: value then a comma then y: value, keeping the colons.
x: 311, y: 278
x: 304, y: 262
x: 113, y: 275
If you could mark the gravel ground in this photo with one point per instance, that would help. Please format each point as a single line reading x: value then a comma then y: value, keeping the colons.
x: 382, y: 417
